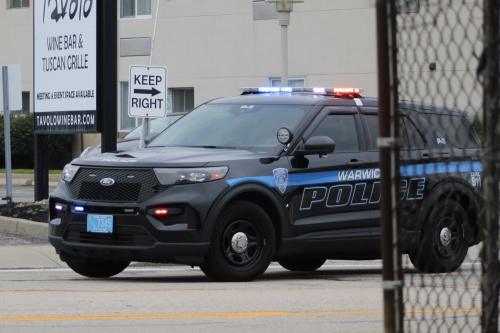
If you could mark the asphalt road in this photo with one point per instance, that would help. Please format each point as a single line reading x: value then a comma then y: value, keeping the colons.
x: 340, y: 297
x: 21, y: 193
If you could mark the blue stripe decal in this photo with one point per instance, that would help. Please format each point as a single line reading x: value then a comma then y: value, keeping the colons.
x: 435, y: 168
x: 328, y: 177
x: 267, y: 180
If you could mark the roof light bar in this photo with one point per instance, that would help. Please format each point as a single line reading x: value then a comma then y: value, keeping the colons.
x: 315, y: 90
x: 344, y: 91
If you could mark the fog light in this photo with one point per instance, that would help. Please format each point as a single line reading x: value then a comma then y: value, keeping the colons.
x: 59, y: 207
x: 79, y: 208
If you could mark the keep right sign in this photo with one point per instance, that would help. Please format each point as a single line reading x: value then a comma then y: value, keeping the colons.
x: 147, y: 92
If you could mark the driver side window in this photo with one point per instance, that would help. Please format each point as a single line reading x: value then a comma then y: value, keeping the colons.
x: 341, y: 128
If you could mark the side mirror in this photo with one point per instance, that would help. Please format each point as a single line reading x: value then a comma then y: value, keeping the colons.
x: 321, y: 145
x: 150, y: 137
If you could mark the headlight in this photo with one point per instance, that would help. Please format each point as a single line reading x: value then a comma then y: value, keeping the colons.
x: 85, y: 152
x: 190, y: 175
x: 69, y: 172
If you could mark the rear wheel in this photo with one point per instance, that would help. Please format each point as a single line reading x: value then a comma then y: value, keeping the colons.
x: 302, y: 265
x: 242, y: 244
x: 445, y: 239
x: 97, y: 268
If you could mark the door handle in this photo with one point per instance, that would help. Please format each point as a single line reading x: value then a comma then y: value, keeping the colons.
x: 355, y: 162
x: 426, y: 155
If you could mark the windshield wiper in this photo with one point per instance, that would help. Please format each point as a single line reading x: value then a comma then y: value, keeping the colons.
x: 218, y: 147
x: 211, y: 147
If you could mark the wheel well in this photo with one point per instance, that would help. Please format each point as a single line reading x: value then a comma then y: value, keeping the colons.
x: 467, y: 204
x: 270, y: 209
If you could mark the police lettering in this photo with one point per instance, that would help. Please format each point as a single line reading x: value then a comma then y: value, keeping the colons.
x: 347, y: 194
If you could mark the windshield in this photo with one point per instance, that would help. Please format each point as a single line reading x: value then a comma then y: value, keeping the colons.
x: 248, y: 127
x: 157, y: 125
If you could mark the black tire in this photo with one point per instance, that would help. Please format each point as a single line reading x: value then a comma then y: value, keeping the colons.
x: 223, y: 262
x: 433, y: 254
x: 302, y: 265
x: 97, y: 268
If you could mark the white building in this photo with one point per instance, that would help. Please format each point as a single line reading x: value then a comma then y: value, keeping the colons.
x: 212, y: 47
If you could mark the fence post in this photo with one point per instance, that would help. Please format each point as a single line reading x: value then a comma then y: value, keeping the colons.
x: 392, y: 283
x: 490, y: 73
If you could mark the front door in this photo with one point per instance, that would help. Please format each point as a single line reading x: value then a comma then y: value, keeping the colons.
x: 331, y: 194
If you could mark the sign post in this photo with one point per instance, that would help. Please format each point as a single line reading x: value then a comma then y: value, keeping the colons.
x: 147, y: 94
x: 10, y: 99
x: 75, y: 75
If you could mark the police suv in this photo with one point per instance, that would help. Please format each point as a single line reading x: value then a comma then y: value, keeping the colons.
x: 275, y: 174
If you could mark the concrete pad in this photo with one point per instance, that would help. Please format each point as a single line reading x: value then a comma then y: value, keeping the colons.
x: 19, y: 257
x: 21, y: 226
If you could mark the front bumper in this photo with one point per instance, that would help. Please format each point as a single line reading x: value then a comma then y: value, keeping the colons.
x: 137, y: 235
x: 181, y: 253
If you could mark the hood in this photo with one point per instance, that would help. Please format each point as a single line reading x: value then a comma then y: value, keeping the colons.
x: 167, y: 157
x: 121, y: 144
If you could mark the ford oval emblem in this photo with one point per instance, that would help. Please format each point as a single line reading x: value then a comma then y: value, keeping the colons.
x: 107, y: 181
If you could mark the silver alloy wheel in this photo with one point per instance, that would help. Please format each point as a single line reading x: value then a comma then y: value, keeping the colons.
x: 239, y: 242
x: 445, y: 236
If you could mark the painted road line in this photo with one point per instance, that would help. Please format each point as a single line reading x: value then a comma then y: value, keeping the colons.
x: 210, y: 315
x: 178, y: 291
x: 215, y: 290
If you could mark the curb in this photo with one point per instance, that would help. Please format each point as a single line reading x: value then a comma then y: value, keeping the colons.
x: 25, y: 227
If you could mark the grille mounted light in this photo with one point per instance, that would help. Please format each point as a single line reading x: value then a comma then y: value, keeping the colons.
x: 161, y: 211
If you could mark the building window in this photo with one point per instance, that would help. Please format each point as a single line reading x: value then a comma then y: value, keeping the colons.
x: 135, y: 8
x: 183, y: 99
x: 126, y: 122
x: 407, y: 6
x: 292, y: 82
x: 19, y: 3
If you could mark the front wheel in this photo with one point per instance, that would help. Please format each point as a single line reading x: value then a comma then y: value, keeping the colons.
x: 94, y: 268
x: 242, y: 244
x: 445, y: 239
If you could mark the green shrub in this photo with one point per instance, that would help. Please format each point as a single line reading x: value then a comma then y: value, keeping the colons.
x: 23, y: 146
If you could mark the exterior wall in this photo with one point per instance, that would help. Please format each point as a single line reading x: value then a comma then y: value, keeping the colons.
x: 216, y: 46
x: 16, y: 42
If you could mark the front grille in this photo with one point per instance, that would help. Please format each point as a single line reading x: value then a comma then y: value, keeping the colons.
x: 131, y: 185
x: 121, y: 236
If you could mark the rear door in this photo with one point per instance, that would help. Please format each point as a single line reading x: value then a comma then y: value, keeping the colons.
x: 413, y: 149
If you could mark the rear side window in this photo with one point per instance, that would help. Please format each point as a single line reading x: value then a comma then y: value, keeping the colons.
x: 414, y: 136
x: 372, y: 123
x: 342, y: 130
x: 457, y: 130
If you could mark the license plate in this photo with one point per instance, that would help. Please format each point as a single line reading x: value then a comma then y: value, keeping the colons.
x: 100, y: 224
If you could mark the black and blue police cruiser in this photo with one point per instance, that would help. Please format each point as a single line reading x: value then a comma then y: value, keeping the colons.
x: 275, y: 174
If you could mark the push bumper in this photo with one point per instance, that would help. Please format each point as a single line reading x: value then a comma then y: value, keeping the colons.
x: 181, y: 253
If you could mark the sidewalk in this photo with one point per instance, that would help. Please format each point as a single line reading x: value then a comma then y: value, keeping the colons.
x: 24, y: 245
x: 28, y: 256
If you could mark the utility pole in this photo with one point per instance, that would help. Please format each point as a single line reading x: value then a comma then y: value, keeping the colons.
x: 284, y: 8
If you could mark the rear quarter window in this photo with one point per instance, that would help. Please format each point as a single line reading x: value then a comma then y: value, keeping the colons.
x: 457, y: 129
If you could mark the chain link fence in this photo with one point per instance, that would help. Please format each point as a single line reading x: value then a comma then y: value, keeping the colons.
x: 441, y: 165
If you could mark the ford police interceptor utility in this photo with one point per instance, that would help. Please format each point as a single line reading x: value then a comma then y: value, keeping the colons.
x: 275, y: 174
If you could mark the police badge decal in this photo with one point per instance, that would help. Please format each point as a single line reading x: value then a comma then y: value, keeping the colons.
x: 281, y: 178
